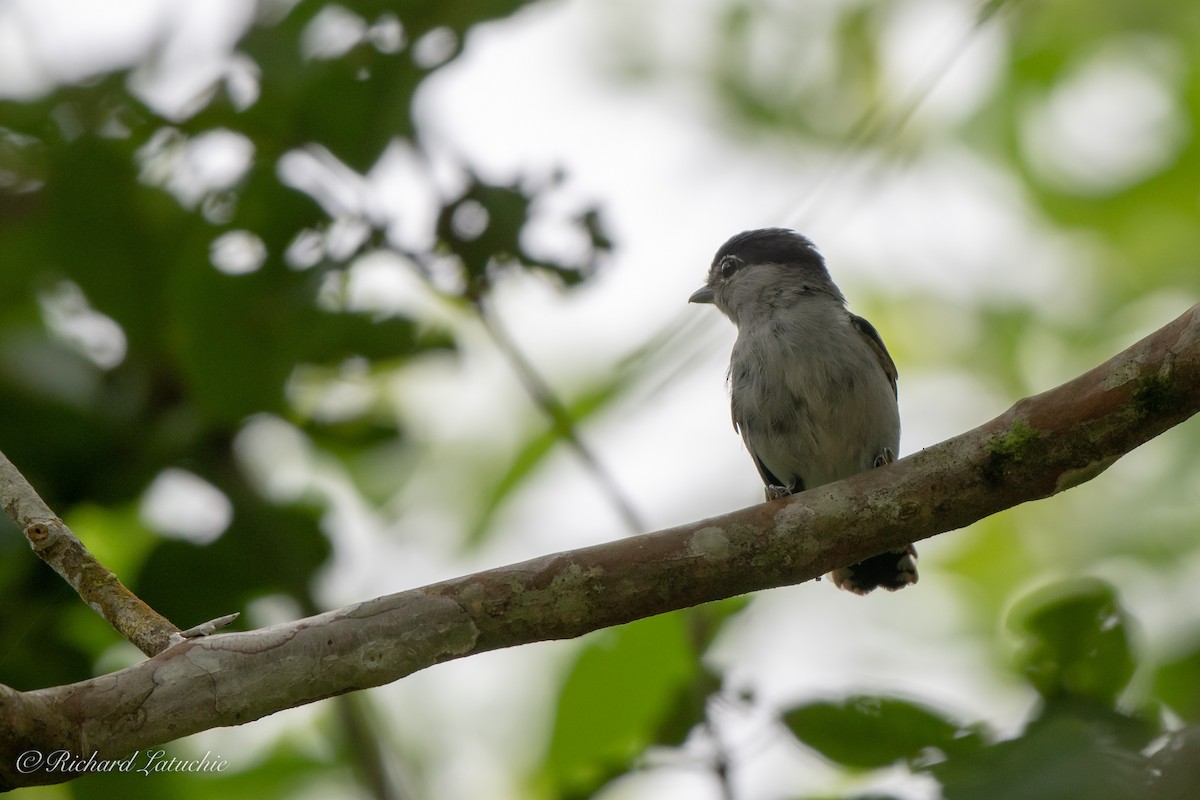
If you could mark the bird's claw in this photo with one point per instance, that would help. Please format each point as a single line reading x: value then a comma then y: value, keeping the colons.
x: 774, y: 491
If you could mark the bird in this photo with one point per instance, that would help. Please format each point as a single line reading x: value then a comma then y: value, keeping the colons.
x: 812, y: 387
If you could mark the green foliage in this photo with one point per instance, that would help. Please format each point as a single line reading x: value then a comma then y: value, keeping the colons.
x: 616, y: 701
x: 98, y: 224
x: 1076, y: 643
x: 633, y: 686
x: 483, y: 226
x: 1054, y: 757
x: 1176, y: 684
x: 660, y: 353
x: 875, y: 732
x: 1080, y: 744
x: 536, y: 449
x: 101, y: 222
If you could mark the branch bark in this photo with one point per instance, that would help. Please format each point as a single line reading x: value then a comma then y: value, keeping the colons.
x: 95, y: 584
x: 1041, y: 446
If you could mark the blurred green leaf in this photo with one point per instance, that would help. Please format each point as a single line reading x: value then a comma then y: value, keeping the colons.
x: 535, y: 450
x: 705, y: 622
x: 1075, y: 651
x: 1176, y: 766
x: 669, y: 350
x: 115, y: 536
x: 869, y: 732
x: 35, y: 648
x: 1075, y: 641
x: 992, y: 557
x: 689, y: 708
x: 615, y: 701
x: 1177, y: 683
x: 1055, y: 758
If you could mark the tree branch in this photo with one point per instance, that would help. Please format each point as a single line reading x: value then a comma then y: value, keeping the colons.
x: 95, y: 584
x: 1041, y: 446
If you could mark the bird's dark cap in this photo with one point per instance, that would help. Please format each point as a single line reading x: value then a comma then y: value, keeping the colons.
x: 771, y: 246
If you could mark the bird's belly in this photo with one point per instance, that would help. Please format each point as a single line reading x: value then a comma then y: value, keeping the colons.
x: 817, y: 456
x: 811, y: 438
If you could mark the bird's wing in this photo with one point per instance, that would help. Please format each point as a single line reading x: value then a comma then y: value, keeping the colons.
x: 768, y: 477
x: 868, y: 332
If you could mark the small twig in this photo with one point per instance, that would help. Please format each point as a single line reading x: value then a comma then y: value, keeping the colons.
x: 722, y: 764
x: 375, y: 766
x: 542, y: 395
x: 95, y: 584
x: 204, y: 628
x: 874, y: 124
x: 548, y: 401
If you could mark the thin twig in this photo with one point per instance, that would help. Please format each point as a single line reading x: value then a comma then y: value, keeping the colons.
x: 874, y: 124
x: 375, y: 768
x: 541, y: 394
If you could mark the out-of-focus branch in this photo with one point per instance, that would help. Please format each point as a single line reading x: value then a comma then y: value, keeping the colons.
x: 1041, y: 446
x: 541, y: 393
x: 882, y: 123
x: 545, y: 398
x: 96, y: 585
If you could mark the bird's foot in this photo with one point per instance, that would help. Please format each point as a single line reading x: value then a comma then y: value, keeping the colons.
x: 774, y: 491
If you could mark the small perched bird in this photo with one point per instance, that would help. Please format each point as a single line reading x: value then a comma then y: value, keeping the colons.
x: 813, y: 388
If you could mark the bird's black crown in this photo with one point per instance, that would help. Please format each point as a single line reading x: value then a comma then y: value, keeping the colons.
x: 771, y: 246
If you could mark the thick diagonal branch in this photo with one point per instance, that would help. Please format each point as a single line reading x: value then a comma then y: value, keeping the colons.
x: 1039, y: 447
x: 96, y: 585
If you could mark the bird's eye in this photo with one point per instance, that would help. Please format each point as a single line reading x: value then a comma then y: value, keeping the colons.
x: 729, y: 265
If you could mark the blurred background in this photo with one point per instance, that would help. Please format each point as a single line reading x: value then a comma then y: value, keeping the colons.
x: 303, y: 303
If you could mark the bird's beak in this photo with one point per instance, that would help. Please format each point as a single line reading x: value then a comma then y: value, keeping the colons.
x: 702, y: 295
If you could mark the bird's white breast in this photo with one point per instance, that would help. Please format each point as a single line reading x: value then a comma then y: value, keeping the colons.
x: 810, y: 398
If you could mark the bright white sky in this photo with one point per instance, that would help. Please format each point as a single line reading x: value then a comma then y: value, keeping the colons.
x: 534, y: 93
